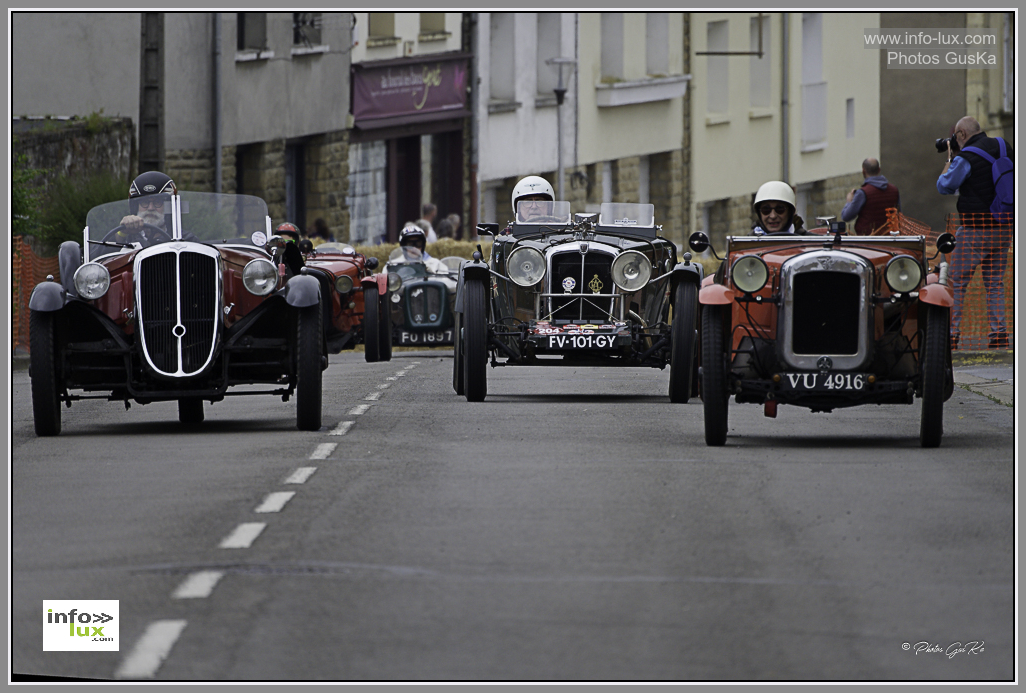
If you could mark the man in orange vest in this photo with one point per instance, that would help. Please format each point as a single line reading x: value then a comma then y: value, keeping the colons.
x: 871, y: 202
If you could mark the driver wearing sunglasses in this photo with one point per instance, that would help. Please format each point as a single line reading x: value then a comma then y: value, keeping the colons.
x: 775, y: 207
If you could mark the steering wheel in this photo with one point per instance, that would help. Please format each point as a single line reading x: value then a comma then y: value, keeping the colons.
x: 156, y: 230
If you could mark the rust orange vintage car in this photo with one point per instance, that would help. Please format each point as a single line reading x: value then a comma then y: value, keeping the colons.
x: 824, y: 321
x: 186, y: 310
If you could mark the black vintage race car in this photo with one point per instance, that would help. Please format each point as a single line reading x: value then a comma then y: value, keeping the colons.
x: 584, y: 290
x: 422, y: 291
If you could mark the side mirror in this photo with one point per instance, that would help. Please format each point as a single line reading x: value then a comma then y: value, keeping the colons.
x: 488, y: 229
x: 945, y: 243
x: 372, y: 263
x: 699, y: 242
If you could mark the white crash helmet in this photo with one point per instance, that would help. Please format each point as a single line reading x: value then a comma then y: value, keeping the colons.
x: 774, y: 190
x: 532, y: 185
x: 412, y: 233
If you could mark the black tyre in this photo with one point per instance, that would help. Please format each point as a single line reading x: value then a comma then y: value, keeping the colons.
x: 371, y: 324
x: 475, y: 341
x: 308, y: 369
x: 46, y: 401
x: 933, y: 370
x: 682, y: 342
x: 714, y: 375
x: 190, y: 410
x: 385, y: 330
x: 457, y: 355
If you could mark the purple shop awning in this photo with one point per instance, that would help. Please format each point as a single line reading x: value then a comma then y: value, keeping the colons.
x: 403, y: 90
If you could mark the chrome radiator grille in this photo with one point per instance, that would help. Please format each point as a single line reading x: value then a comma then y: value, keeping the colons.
x: 593, y: 278
x: 178, y: 310
x: 424, y: 302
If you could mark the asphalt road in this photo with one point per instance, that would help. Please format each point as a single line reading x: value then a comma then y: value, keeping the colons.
x: 574, y: 526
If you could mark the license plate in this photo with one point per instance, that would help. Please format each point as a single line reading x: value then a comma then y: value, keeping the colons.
x: 825, y: 382
x: 421, y: 338
x: 580, y: 341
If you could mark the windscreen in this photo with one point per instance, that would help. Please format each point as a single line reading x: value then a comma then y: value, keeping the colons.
x: 543, y: 212
x: 627, y: 214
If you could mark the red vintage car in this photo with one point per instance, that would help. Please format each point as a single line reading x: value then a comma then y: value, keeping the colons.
x: 824, y: 321
x: 188, y: 310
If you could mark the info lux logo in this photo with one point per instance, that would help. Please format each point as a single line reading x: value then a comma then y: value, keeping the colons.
x: 80, y: 625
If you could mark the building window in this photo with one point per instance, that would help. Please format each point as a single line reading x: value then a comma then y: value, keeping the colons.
x: 657, y: 44
x: 432, y: 22
x: 612, y: 46
x: 548, y: 48
x: 251, y: 31
x: 717, y: 68
x: 849, y: 118
x: 759, y: 72
x: 306, y: 29
x: 814, y: 88
x: 502, y: 86
x: 380, y: 25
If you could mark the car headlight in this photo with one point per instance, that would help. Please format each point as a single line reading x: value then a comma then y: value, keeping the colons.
x: 631, y: 270
x: 526, y: 266
x: 260, y: 277
x: 344, y: 284
x: 92, y: 280
x: 394, y: 281
x: 903, y: 274
x: 749, y: 274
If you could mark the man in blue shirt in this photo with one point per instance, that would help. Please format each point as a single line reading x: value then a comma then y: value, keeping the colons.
x: 981, y: 240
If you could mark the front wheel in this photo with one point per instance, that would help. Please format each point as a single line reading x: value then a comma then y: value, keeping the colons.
x: 682, y: 342
x: 371, y: 324
x: 190, y: 410
x: 46, y: 401
x: 475, y: 341
x: 384, y: 330
x: 932, y: 368
x: 714, y: 375
x: 457, y: 356
x: 308, y: 369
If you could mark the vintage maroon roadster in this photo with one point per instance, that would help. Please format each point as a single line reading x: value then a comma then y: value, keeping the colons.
x: 824, y: 321
x: 188, y: 310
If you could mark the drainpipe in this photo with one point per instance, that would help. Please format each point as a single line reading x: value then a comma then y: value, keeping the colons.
x: 469, y: 228
x: 784, y: 105
x: 217, y: 102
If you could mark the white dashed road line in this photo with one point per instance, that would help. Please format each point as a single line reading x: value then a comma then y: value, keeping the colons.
x: 359, y: 409
x: 384, y: 386
x: 372, y: 397
x: 342, y: 428
x: 323, y: 451
x: 198, y: 585
x: 300, y: 475
x: 275, y: 502
x: 243, y: 535
x: 151, y: 650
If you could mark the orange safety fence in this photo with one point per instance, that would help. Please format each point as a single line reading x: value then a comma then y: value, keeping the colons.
x: 983, y: 259
x: 28, y: 270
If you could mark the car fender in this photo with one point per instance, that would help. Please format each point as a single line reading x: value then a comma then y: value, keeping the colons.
x: 715, y: 295
x: 48, y: 297
x: 691, y: 273
x: 937, y: 295
x: 69, y: 259
x: 380, y: 280
x: 302, y: 291
x: 469, y: 271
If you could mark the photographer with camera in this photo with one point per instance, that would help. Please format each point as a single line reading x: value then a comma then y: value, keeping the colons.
x: 979, y: 168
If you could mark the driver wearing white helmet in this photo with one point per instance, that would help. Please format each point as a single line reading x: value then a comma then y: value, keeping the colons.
x: 531, y: 193
x: 413, y: 242
x: 775, y: 206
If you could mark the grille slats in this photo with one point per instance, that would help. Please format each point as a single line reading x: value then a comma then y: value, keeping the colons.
x: 426, y: 302
x: 162, y: 289
x: 596, y: 266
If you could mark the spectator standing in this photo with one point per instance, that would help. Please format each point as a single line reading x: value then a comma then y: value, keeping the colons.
x: 454, y: 219
x: 871, y: 202
x: 444, y: 229
x: 428, y: 212
x: 980, y: 239
x: 319, y: 232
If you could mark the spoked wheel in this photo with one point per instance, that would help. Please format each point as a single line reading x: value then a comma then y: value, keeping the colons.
x: 457, y: 355
x: 308, y: 367
x: 190, y: 410
x: 385, y: 330
x: 682, y: 342
x: 714, y: 375
x: 46, y: 401
x: 475, y: 341
x: 933, y: 370
x: 371, y: 324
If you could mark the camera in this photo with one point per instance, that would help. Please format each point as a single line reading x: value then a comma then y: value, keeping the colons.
x: 942, y: 144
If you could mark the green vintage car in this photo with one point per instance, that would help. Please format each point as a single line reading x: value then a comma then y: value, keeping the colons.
x: 577, y: 290
x: 422, y: 290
